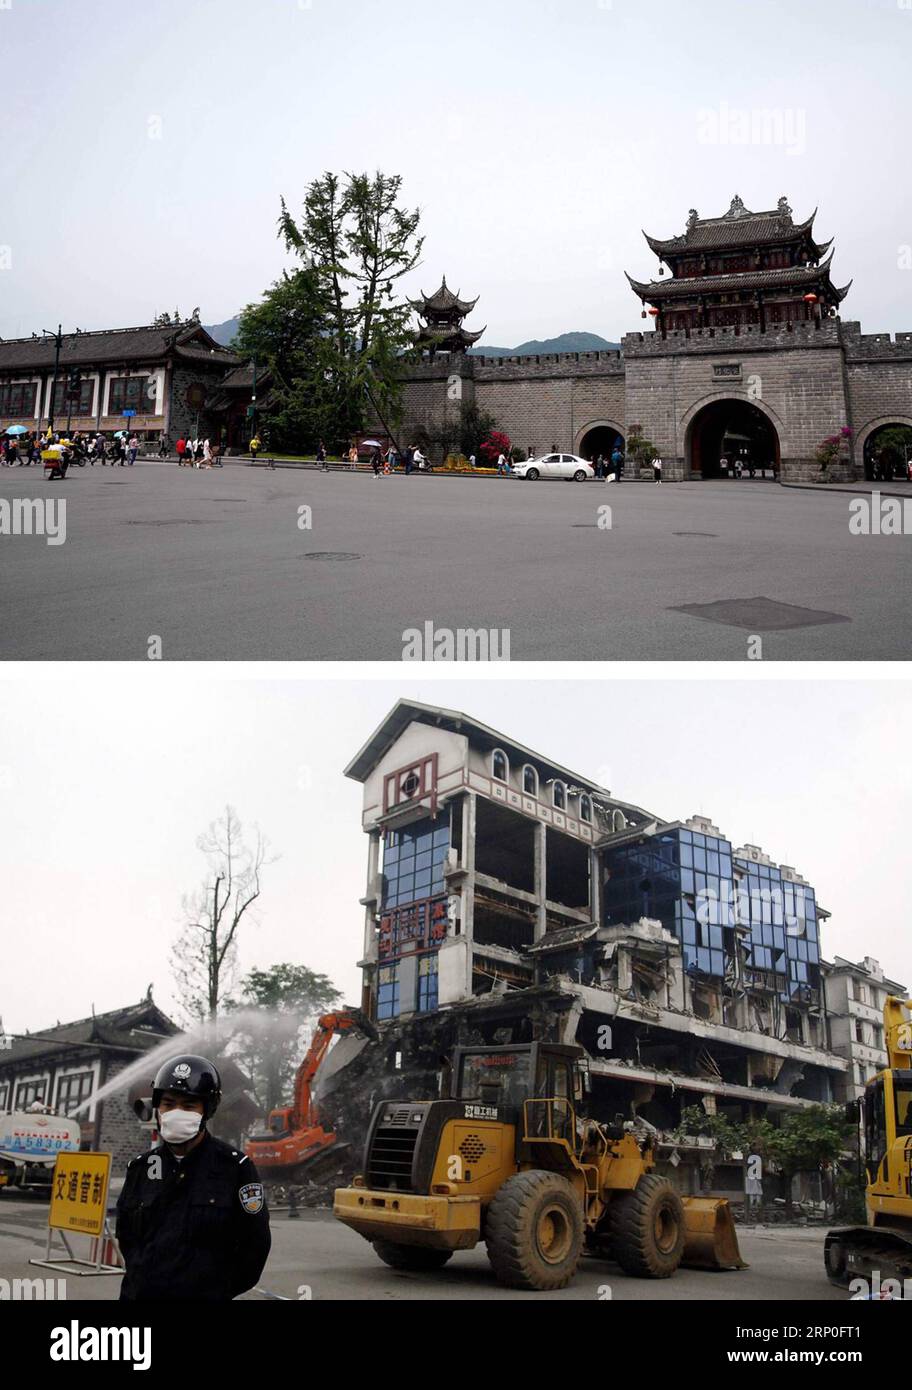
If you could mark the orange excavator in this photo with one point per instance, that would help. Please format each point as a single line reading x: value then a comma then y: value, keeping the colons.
x: 298, y: 1137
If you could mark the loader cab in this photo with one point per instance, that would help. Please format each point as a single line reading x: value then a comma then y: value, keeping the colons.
x: 887, y: 1111
x: 902, y: 1093
x: 875, y: 1126
x: 539, y: 1081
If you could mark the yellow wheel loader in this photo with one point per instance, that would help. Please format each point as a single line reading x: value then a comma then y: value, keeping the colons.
x: 506, y: 1160
x: 882, y: 1250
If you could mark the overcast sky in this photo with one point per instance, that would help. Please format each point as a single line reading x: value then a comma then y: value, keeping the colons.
x: 107, y: 780
x: 145, y: 146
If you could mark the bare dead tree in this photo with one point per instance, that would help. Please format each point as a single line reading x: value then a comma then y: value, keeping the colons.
x: 204, y: 957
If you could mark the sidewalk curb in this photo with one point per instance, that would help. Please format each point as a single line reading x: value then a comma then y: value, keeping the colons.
x: 844, y: 490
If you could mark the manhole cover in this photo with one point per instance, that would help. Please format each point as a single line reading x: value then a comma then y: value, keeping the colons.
x: 759, y: 614
x: 710, y: 535
x: 330, y: 555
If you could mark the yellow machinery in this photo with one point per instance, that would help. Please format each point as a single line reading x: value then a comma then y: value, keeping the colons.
x: 527, y: 1176
x: 883, y: 1248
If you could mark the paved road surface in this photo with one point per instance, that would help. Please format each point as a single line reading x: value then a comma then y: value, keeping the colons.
x: 216, y: 565
x: 317, y: 1252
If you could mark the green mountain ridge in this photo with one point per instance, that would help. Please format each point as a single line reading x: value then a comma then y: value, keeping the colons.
x: 566, y: 342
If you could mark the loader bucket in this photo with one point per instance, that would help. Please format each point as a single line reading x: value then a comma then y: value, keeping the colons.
x: 710, y: 1240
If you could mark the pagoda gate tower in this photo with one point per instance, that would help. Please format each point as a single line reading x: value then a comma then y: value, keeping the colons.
x: 441, y: 328
x: 744, y: 268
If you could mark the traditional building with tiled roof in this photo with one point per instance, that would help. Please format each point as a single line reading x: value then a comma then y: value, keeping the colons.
x: 741, y: 269
x: 154, y: 379
x: 64, y: 1066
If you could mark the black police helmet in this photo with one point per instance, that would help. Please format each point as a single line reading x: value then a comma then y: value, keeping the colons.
x: 188, y: 1075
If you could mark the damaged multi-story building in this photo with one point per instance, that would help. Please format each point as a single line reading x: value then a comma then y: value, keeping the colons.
x: 509, y: 897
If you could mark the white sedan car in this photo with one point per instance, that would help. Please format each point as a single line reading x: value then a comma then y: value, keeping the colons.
x: 555, y: 466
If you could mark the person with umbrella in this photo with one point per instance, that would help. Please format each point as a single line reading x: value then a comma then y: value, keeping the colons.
x: 12, y: 445
x: 375, y: 448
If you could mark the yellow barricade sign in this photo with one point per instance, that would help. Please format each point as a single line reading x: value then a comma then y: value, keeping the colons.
x: 79, y: 1193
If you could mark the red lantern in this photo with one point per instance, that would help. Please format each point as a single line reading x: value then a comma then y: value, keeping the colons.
x: 810, y: 299
x: 654, y: 312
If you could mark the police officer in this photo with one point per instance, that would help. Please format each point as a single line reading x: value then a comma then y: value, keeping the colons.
x: 192, y: 1220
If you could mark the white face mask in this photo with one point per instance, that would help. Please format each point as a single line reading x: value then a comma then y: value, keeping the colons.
x: 179, y: 1126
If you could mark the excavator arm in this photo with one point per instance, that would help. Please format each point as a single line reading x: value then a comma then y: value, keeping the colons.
x: 304, y: 1113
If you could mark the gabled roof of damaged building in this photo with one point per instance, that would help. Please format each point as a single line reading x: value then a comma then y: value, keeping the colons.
x: 406, y: 712
x: 132, y: 1029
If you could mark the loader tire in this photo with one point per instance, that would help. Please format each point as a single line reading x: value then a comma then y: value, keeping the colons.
x: 534, y: 1231
x: 417, y: 1258
x: 647, y: 1229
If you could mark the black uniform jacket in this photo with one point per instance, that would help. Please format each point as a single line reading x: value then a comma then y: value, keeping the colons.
x: 197, y: 1228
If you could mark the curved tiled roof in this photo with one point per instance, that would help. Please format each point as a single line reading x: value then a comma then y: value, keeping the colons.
x: 443, y: 301
x: 793, y: 277
x: 446, y: 335
x: 737, y: 227
x: 144, y: 344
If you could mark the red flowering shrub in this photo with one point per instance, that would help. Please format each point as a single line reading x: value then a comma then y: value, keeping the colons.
x: 495, y: 444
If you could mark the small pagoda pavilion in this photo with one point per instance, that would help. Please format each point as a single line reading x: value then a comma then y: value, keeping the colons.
x: 441, y: 328
x: 742, y: 269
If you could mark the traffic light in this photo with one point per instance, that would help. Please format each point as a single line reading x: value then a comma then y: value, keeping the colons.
x: 74, y: 382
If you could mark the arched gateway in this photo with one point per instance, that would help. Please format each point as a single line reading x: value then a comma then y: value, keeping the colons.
x: 598, y: 437
x: 727, y: 430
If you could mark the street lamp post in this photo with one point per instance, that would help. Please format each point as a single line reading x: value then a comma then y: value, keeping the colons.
x: 58, y: 338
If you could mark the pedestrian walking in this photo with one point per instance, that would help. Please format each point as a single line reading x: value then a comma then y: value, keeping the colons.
x: 471, y: 460
x: 134, y: 449
x: 181, y: 448
x: 255, y: 446
x: 657, y: 471
x: 353, y: 456
x: 321, y: 456
x: 502, y: 465
x: 192, y: 1219
x: 376, y: 462
x: 163, y: 446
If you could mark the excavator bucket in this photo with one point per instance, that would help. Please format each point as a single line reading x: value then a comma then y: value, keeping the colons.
x: 710, y: 1240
